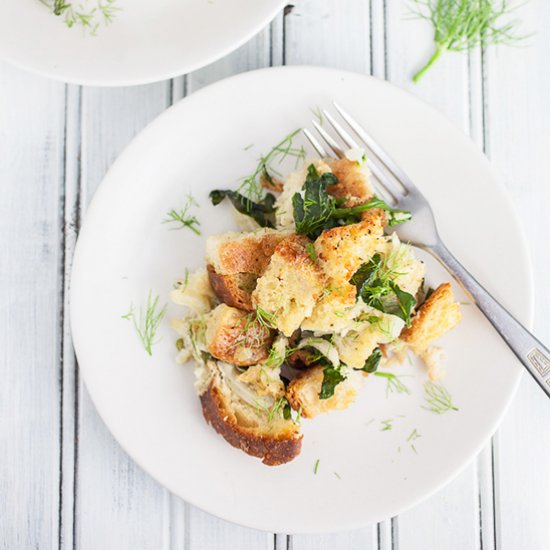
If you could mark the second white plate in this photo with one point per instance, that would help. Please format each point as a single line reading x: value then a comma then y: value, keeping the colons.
x: 145, y: 42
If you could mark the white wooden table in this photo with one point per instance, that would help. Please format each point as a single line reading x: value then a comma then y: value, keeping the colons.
x: 64, y: 482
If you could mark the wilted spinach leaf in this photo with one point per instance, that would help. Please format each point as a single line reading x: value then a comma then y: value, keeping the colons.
x: 331, y: 378
x: 372, y: 362
x: 262, y: 212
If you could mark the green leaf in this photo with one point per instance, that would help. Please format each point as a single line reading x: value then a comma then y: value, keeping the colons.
x: 262, y: 212
x: 364, y: 276
x: 372, y: 362
x: 406, y: 303
x: 331, y: 378
x: 313, y: 210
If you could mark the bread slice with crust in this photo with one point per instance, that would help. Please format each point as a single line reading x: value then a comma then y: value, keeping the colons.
x: 245, y: 419
x: 353, y: 185
x: 234, y: 290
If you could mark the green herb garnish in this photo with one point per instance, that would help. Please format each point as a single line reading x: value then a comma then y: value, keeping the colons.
x: 179, y: 344
x: 147, y: 321
x: 262, y: 211
x: 89, y: 18
x: 376, y: 288
x: 279, y: 406
x: 310, y: 249
x: 393, y: 383
x: 316, y: 211
x: 265, y: 318
x: 413, y: 437
x: 331, y: 378
x: 182, y: 218
x: 461, y: 25
x: 386, y: 424
x: 438, y: 398
x: 372, y: 362
x: 316, y: 467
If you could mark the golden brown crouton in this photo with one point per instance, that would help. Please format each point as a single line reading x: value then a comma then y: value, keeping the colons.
x: 342, y: 250
x: 290, y: 286
x: 232, y: 253
x: 234, y: 290
x: 236, y: 337
x: 437, y: 315
x: 259, y: 432
x: 303, y: 392
x: 352, y: 182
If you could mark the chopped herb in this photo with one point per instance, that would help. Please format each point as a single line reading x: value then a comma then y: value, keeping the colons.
x: 337, y: 475
x: 89, y: 18
x: 179, y: 344
x: 275, y: 359
x: 386, y: 425
x: 438, y: 398
x: 413, y: 437
x: 277, y: 407
x: 183, y: 218
x: 249, y: 147
x: 316, y: 467
x: 265, y: 318
x: 331, y: 378
x: 393, y: 383
x: 287, y: 412
x: 372, y: 362
x: 318, y: 115
x: 311, y: 251
x: 461, y: 25
x: 262, y: 211
x: 339, y: 313
x: 250, y: 186
x: 299, y: 415
x: 148, y: 321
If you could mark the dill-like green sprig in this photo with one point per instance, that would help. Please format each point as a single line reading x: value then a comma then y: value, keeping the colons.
x: 387, y: 424
x: 250, y: 186
x: 277, y: 407
x: 147, y: 321
x: 438, y: 398
x: 393, y: 383
x: 87, y: 14
x: 316, y: 467
x: 183, y: 218
x: 460, y: 25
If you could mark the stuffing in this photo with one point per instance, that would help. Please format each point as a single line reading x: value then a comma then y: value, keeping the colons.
x: 303, y: 392
x: 352, y: 182
x: 290, y: 286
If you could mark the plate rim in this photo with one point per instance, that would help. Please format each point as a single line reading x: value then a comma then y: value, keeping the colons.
x: 529, y: 292
x: 62, y: 76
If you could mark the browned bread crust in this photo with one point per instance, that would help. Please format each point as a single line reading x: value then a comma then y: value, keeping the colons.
x: 437, y: 315
x: 233, y: 290
x: 272, y: 449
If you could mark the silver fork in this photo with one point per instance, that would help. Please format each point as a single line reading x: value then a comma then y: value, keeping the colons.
x: 397, y: 189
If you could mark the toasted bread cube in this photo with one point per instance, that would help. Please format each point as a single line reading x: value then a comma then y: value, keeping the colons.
x: 231, y: 407
x: 352, y: 182
x: 342, y: 250
x: 236, y: 337
x: 303, y: 392
x: 234, y: 290
x: 290, y: 286
x: 232, y: 253
x: 437, y: 315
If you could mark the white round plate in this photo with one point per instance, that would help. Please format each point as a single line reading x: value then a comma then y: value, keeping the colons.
x: 365, y: 473
x: 145, y: 42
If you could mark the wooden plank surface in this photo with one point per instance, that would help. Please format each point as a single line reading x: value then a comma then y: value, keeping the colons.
x: 70, y: 485
x: 31, y: 214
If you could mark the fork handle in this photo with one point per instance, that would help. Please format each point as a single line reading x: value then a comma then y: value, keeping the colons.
x: 534, y: 356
